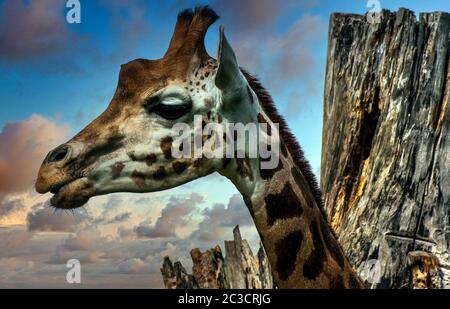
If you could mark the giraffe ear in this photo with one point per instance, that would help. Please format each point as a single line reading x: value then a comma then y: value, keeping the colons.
x: 229, y: 77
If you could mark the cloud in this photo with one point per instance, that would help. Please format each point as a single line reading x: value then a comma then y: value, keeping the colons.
x: 14, y: 267
x: 10, y: 207
x: 151, y: 263
x: 83, y: 240
x: 14, y: 239
x: 61, y: 257
x: 14, y: 208
x: 220, y: 220
x: 87, y: 245
x: 23, y: 146
x: 212, y: 223
x: 131, y: 266
x: 32, y: 29
x: 119, y: 218
x: 128, y: 21
x: 117, y: 256
x: 126, y: 234
x: 37, y: 35
x: 283, y: 57
x: 256, y: 15
x: 236, y: 213
x: 174, y: 215
x: 293, y: 106
x: 286, y: 62
x: 295, y: 55
x: 106, y: 217
x: 46, y: 220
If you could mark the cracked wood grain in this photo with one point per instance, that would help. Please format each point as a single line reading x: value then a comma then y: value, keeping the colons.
x: 385, y: 168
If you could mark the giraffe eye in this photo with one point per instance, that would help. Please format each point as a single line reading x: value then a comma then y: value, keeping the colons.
x: 170, y: 108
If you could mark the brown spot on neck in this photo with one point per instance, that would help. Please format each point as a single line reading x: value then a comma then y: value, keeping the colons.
x: 138, y: 178
x: 116, y: 169
x: 314, y: 264
x: 268, y: 173
x: 132, y: 156
x: 150, y: 159
x: 284, y: 205
x: 179, y: 166
x: 287, y: 250
x: 160, y: 173
x: 166, y: 146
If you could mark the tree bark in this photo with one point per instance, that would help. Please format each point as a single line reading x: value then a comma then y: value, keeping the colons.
x: 385, y: 169
x: 240, y: 269
x: 176, y: 277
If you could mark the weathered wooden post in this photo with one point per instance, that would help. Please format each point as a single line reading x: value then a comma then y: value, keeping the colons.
x: 386, y: 142
x: 240, y: 269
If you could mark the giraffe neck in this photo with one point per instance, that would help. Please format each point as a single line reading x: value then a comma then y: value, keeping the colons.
x: 301, y: 247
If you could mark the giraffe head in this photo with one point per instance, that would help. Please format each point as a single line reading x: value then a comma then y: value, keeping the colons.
x: 128, y: 148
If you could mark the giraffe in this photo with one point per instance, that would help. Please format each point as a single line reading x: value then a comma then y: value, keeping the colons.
x: 128, y: 148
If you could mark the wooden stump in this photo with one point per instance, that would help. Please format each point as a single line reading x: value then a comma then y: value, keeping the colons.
x: 240, y: 269
x: 385, y: 169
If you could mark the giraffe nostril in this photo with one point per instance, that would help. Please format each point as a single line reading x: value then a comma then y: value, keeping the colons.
x: 58, y: 154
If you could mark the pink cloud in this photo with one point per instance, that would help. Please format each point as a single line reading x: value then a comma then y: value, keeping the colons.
x: 175, y: 214
x: 23, y: 146
x: 30, y: 30
x: 251, y: 15
x: 45, y: 220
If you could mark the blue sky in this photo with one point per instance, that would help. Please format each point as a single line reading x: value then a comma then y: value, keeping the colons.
x: 76, y: 86
x: 65, y: 74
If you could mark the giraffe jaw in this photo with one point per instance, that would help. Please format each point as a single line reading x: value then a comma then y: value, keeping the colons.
x: 73, y: 194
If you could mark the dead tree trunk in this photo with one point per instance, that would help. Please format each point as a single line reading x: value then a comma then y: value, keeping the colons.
x: 386, y: 143
x: 240, y: 269
x: 176, y: 277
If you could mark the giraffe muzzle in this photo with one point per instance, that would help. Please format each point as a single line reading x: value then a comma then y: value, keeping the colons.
x: 58, y: 175
x: 59, y: 154
x: 51, y: 176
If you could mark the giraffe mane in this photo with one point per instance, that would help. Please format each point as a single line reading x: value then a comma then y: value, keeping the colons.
x: 287, y: 137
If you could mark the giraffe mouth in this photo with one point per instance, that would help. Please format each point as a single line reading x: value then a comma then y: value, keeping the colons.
x: 56, y: 188
x: 72, y: 194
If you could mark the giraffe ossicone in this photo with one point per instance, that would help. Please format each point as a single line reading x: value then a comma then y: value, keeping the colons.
x: 128, y: 148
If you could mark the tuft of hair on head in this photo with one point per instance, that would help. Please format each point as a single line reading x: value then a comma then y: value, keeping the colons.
x: 205, y: 11
x: 186, y: 14
x: 190, y: 31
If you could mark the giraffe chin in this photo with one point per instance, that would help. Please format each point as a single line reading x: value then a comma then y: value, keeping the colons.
x: 72, y: 195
